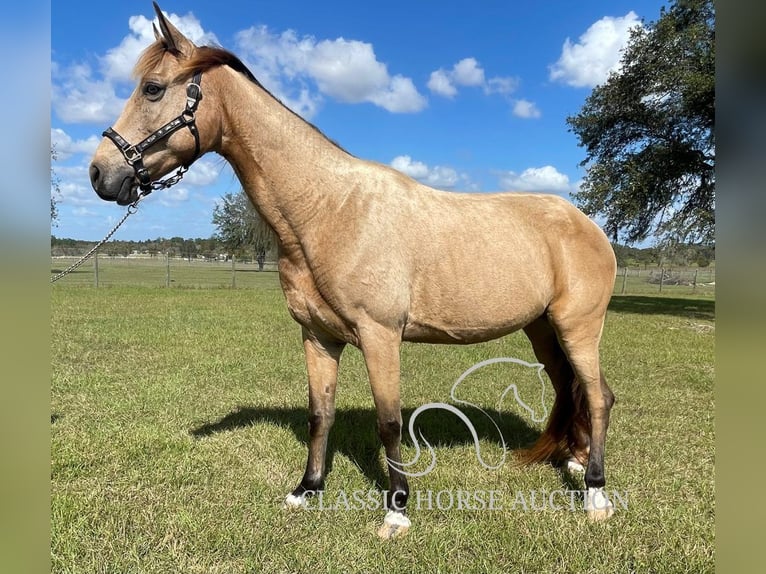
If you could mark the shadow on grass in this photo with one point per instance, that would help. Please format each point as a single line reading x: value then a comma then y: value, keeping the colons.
x: 681, y: 307
x: 354, y: 433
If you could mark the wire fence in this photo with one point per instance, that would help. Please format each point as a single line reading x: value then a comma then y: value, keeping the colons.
x: 164, y: 271
x: 669, y: 280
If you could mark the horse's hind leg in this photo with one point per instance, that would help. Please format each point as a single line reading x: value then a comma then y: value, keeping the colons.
x: 322, y: 359
x: 580, y: 339
x: 566, y: 436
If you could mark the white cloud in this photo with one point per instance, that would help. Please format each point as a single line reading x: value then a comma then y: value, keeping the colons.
x: 400, y: 97
x: 438, y: 176
x: 589, y: 62
x: 118, y: 62
x: 500, y: 85
x: 204, y: 171
x: 74, y: 186
x: 345, y: 70
x: 79, y: 98
x: 537, y: 179
x: 441, y: 84
x: 66, y: 147
x: 415, y: 169
x: 525, y: 109
x: 84, y: 212
x: 468, y: 73
x: 173, y: 196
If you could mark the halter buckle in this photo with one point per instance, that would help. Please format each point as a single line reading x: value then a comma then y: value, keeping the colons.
x: 193, y: 96
x: 132, y: 155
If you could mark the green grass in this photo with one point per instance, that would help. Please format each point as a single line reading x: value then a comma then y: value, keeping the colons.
x: 178, y: 424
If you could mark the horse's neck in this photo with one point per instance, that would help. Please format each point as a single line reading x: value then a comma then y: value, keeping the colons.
x: 290, y: 170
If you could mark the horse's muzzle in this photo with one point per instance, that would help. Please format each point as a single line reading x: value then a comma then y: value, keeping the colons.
x: 124, y: 192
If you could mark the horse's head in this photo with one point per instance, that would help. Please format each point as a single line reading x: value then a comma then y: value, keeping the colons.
x: 163, y: 126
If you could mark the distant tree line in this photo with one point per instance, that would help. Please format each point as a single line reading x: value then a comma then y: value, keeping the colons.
x: 667, y: 255
x: 217, y: 248
x: 211, y: 248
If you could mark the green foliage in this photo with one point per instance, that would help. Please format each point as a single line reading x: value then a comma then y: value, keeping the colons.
x: 649, y: 132
x: 210, y: 248
x: 666, y: 254
x: 240, y: 227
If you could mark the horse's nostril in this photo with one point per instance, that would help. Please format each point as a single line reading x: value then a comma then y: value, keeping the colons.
x: 95, y: 174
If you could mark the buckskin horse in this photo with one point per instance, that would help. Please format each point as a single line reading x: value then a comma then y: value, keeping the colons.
x: 372, y: 258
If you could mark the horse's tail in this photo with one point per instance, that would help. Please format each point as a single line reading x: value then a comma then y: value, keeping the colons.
x: 567, y: 434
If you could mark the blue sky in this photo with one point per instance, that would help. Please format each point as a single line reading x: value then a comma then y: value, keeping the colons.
x: 464, y: 96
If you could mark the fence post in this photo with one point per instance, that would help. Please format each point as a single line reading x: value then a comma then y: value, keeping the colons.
x: 624, y: 279
x: 95, y: 269
x: 662, y: 277
x: 167, y: 269
x: 233, y: 272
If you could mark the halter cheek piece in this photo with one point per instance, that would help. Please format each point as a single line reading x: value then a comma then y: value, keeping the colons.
x: 133, y: 154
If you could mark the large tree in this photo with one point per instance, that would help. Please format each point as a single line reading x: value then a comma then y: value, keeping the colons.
x: 649, y: 132
x: 241, y: 228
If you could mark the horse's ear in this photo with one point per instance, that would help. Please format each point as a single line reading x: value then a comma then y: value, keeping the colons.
x: 174, y: 40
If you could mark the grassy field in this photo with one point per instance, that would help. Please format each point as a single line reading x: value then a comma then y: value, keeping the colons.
x: 178, y: 424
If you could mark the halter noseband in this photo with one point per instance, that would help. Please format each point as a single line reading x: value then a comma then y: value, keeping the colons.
x: 133, y: 154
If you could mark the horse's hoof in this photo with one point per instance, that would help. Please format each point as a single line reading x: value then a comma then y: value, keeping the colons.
x: 597, y: 505
x: 395, y: 524
x: 292, y: 501
x: 573, y: 465
x: 600, y: 515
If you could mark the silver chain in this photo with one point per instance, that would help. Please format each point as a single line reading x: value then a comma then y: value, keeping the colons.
x: 132, y: 208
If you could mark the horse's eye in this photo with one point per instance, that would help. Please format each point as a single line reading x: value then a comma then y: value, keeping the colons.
x: 153, y: 91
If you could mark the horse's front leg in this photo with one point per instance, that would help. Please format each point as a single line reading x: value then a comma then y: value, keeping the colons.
x: 380, y: 347
x: 322, y: 359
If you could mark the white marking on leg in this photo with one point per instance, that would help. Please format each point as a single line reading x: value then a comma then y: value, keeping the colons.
x: 394, y: 524
x: 395, y: 518
x: 597, y: 504
x: 573, y: 465
x: 292, y: 501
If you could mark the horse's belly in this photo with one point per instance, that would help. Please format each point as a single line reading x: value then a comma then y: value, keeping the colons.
x: 465, y: 330
x: 472, y: 307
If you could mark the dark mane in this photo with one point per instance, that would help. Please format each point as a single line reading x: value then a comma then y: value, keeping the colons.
x: 203, y: 59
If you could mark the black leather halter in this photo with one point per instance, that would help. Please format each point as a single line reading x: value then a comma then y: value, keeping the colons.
x: 133, y: 154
